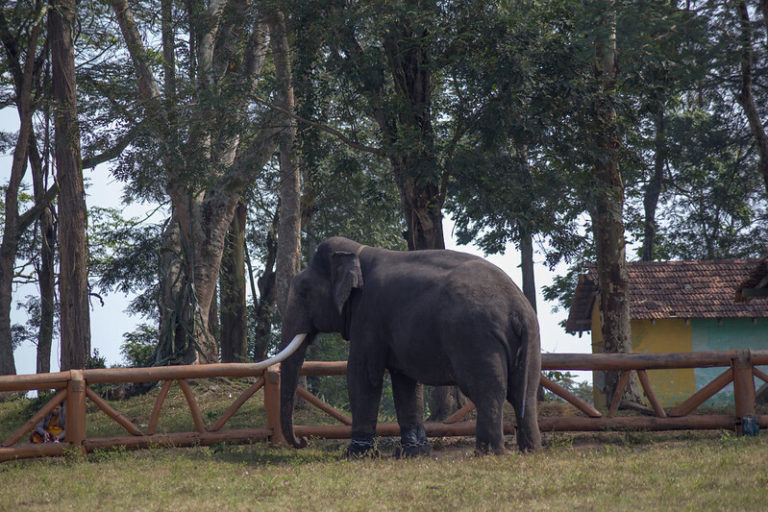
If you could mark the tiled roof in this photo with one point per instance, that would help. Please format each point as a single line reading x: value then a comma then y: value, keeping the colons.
x: 674, y: 289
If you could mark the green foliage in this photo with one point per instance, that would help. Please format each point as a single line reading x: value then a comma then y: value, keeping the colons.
x: 139, y: 347
x: 96, y: 360
x: 568, y: 380
x: 124, y: 257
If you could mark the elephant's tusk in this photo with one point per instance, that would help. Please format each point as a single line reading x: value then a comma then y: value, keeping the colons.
x: 284, y: 354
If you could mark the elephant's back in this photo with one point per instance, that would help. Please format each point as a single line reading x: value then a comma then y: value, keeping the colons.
x: 480, y: 285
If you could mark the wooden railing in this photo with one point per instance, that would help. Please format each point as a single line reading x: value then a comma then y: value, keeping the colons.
x: 74, y: 389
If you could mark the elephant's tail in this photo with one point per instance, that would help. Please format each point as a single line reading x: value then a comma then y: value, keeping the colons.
x: 519, y: 363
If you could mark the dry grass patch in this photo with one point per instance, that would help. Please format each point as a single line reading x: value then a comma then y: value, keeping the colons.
x: 606, y: 471
x: 707, y: 473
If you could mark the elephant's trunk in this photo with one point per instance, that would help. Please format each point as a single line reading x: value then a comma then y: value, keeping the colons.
x: 289, y: 380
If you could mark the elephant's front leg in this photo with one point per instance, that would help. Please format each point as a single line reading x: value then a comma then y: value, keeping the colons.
x: 409, y: 404
x: 364, y: 381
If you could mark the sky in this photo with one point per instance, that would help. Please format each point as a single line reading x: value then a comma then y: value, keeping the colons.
x: 110, y: 320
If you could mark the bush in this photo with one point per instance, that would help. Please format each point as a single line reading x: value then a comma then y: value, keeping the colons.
x: 140, y: 346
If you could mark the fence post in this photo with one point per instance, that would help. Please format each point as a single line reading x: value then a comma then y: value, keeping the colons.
x: 744, y: 393
x: 272, y: 403
x: 75, y: 412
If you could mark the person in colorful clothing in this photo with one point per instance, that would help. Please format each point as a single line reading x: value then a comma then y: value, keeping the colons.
x: 52, y: 428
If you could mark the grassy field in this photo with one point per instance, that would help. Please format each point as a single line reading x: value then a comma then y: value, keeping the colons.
x: 616, y: 471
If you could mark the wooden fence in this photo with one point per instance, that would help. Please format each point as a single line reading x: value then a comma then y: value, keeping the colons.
x: 740, y: 367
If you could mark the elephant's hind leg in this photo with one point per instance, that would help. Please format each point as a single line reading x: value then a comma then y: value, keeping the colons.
x: 490, y: 434
x: 487, y: 388
x: 409, y: 405
x: 527, y: 415
x: 365, y: 384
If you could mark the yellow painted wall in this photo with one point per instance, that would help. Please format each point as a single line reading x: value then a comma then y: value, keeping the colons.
x: 669, y: 335
x: 672, y: 387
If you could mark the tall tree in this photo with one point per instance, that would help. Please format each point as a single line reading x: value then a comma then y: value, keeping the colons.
x: 229, y: 142
x: 390, y: 56
x: 21, y: 36
x: 288, y: 255
x: 73, y: 244
x: 234, y: 317
x: 504, y: 188
x: 14, y: 223
x: 607, y: 205
x: 746, y: 95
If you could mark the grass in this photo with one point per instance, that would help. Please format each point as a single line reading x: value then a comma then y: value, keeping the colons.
x: 616, y: 471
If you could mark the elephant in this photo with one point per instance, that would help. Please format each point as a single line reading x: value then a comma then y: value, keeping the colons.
x: 433, y: 317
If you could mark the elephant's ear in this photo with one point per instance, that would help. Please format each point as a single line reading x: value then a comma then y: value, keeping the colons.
x: 345, y: 275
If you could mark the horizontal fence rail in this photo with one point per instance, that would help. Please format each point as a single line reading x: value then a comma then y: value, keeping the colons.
x: 740, y: 368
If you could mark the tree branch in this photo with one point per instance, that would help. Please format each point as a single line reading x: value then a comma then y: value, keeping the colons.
x: 28, y: 217
x: 746, y: 97
x: 113, y: 152
x: 323, y: 127
x: 148, y: 88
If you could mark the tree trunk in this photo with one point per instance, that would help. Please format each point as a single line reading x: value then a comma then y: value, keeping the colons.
x: 73, y: 245
x: 527, y: 266
x: 653, y: 189
x: 45, y: 270
x: 47, y: 284
x: 422, y: 208
x: 264, y: 300
x: 526, y: 237
x: 289, y: 228
x: 234, y: 317
x: 175, y: 324
x: 746, y: 96
x: 608, y: 207
x: 14, y: 225
x: 10, y: 242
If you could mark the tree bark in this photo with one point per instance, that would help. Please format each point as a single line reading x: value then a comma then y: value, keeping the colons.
x: 527, y: 266
x: 608, y: 206
x: 526, y: 237
x: 227, y: 54
x: 289, y: 228
x: 46, y: 277
x: 9, y: 247
x: 653, y: 189
x: 14, y: 226
x: 73, y: 244
x: 746, y: 96
x: 234, y: 317
x: 175, y: 323
x: 264, y: 301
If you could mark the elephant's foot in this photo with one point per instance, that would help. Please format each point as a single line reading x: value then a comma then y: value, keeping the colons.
x: 413, y: 443
x: 486, y: 449
x: 362, y: 448
x: 489, y: 444
x: 408, y: 451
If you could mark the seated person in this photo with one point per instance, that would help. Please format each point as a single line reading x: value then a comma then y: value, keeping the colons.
x: 51, y: 428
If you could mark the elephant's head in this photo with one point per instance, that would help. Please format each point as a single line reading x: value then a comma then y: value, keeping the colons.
x: 318, y: 301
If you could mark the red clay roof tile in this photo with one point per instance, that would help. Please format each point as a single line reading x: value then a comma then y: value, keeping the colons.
x: 675, y: 289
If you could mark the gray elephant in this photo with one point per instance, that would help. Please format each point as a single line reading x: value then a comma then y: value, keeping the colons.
x: 431, y: 317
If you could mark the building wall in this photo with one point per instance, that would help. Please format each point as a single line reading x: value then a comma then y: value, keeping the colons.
x: 672, y: 387
x: 726, y: 334
x: 666, y: 335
